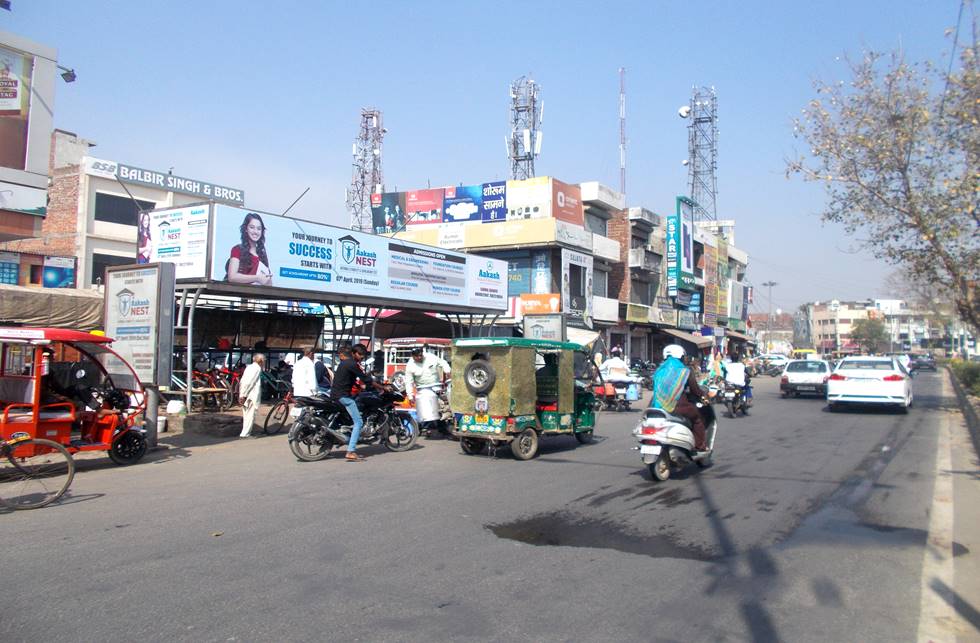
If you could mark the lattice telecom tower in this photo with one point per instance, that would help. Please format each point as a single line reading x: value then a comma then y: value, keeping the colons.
x: 367, y: 177
x: 702, y: 151
x: 526, y: 117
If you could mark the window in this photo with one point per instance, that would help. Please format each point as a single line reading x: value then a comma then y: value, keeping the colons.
x: 638, y: 242
x: 596, y: 224
x: 101, y: 262
x: 600, y: 283
x: 866, y: 365
x: 807, y: 366
x: 119, y: 209
x: 576, y: 281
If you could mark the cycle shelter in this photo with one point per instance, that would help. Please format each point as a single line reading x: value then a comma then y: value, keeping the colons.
x: 250, y: 258
x: 70, y: 387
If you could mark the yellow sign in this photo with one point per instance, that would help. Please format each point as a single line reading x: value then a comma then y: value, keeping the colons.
x: 637, y: 313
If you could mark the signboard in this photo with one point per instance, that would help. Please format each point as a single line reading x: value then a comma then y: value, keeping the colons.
x: 576, y: 285
x: 9, y: 268
x: 566, y: 203
x: 15, y: 76
x: 529, y: 199
x: 637, y: 313
x: 532, y: 304
x: 178, y: 236
x: 683, y: 299
x: 494, y: 205
x: 452, y: 236
x: 162, y: 180
x: 280, y: 252
x: 551, y: 326
x: 58, y: 272
x: 541, y: 272
x: 387, y: 212
x: 424, y: 207
x: 737, y: 308
x: 723, y: 278
x: 139, y: 306
x: 680, y: 247
x: 573, y: 235
x: 462, y: 204
x: 695, y: 304
x: 687, y: 320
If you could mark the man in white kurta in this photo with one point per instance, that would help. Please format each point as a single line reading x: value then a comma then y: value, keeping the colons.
x: 304, y: 376
x: 250, y: 392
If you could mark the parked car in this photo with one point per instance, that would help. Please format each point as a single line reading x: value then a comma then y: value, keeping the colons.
x: 923, y: 362
x: 805, y: 376
x: 869, y: 380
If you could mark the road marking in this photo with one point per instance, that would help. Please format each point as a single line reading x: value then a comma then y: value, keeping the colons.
x: 937, y: 619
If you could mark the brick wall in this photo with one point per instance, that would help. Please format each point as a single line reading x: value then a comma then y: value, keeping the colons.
x: 618, y: 229
x: 60, y: 228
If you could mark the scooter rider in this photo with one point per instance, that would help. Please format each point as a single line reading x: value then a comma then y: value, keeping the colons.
x: 615, y: 369
x: 424, y: 369
x: 672, y: 384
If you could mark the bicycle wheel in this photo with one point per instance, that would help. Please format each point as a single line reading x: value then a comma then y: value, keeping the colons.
x: 277, y: 418
x: 35, y: 473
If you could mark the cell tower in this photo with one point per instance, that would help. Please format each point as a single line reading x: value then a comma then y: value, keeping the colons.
x: 526, y: 117
x: 622, y: 130
x: 367, y: 177
x: 702, y: 160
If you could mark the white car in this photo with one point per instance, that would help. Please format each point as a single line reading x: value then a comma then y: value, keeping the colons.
x: 805, y: 376
x: 869, y: 380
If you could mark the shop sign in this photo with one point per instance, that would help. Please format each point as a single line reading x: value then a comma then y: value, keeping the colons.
x: 577, y: 297
x: 535, y: 304
x: 549, y: 326
x: 680, y: 247
x: 566, y: 203
x: 687, y: 320
x: 162, y: 181
x: 637, y: 313
x: 510, y: 233
x: 529, y: 199
x: 494, y: 204
x: 139, y: 318
x: 573, y: 235
x: 452, y: 235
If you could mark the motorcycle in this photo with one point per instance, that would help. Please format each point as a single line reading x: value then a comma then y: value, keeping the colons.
x: 666, y: 442
x: 324, y: 423
x: 736, y: 398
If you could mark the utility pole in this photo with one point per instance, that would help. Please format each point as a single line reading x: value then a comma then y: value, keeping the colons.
x: 769, y: 285
x: 622, y: 131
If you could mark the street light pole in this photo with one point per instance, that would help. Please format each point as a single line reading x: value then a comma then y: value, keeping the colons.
x: 769, y: 284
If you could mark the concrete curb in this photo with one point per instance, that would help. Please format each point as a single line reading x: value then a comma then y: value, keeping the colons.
x: 969, y: 411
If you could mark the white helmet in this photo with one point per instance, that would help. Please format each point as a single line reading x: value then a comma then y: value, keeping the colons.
x: 674, y: 350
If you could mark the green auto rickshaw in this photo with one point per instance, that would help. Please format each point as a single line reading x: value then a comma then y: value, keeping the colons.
x: 515, y: 390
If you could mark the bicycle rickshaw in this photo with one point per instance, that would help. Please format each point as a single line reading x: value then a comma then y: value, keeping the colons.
x: 517, y: 390
x: 69, y: 387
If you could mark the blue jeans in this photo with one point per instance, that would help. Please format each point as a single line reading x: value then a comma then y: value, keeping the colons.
x: 355, y: 415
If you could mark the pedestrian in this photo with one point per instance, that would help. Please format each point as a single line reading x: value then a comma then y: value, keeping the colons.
x: 250, y: 390
x: 324, y: 377
x: 304, y: 375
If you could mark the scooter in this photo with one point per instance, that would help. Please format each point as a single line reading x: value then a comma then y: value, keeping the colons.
x: 666, y: 442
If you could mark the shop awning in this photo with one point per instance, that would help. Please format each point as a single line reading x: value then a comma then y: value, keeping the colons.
x: 734, y: 334
x: 582, y: 336
x: 697, y: 340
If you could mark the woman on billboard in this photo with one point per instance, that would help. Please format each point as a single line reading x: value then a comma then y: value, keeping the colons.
x: 249, y: 263
x: 143, y: 241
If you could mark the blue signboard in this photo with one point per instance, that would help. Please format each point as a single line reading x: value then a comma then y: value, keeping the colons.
x: 462, y: 204
x: 494, y: 206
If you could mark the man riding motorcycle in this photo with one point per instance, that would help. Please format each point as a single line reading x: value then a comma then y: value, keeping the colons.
x: 673, y: 383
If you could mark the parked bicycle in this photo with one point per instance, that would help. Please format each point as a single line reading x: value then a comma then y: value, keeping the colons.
x: 33, y: 472
x: 280, y: 415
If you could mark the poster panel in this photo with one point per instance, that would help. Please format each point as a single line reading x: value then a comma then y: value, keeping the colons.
x: 529, y: 199
x: 281, y: 252
x: 424, y: 207
x: 387, y: 212
x: 566, y: 202
x: 494, y: 202
x: 178, y: 236
x: 58, y: 272
x: 462, y: 204
x: 576, y: 285
x: 537, y: 304
x: 551, y: 326
x: 139, y: 318
x: 541, y: 272
x: 518, y: 274
x: 15, y: 76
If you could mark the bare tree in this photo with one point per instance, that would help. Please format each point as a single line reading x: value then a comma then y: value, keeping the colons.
x: 898, y: 148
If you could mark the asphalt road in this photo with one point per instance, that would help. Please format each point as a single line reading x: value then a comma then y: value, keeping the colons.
x: 811, y: 526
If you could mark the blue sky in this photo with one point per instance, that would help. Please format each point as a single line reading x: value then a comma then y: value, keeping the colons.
x: 267, y: 96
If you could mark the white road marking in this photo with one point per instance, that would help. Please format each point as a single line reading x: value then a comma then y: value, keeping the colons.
x: 938, y: 620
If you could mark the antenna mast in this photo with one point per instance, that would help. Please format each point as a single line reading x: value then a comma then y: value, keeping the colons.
x: 366, y: 176
x: 622, y: 130
x: 526, y: 116
x: 703, y: 152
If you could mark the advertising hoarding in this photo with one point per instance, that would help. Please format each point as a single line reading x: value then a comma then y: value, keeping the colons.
x: 529, y: 199
x: 680, y: 247
x: 281, y: 252
x: 566, y: 202
x: 541, y: 272
x: 58, y: 272
x: 139, y: 318
x: 551, y: 326
x: 424, y: 207
x: 576, y: 285
x: 462, y: 204
x: 15, y: 78
x: 387, y: 212
x: 540, y: 304
x: 723, y: 279
x: 494, y: 204
x: 178, y: 236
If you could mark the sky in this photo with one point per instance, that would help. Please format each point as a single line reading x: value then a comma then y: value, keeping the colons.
x: 267, y: 97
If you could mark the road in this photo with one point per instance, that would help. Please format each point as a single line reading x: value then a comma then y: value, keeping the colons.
x: 811, y: 526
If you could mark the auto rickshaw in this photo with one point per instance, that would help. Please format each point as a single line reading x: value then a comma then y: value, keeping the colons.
x: 69, y: 387
x: 516, y: 390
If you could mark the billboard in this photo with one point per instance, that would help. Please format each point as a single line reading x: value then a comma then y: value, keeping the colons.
x: 462, y: 204
x: 566, y: 202
x: 540, y: 304
x: 424, y: 206
x: 529, y: 199
x: 139, y: 318
x: 178, y: 236
x: 680, y: 247
x: 388, y: 212
x: 15, y: 78
x: 576, y: 285
x: 258, y: 249
x: 494, y: 203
